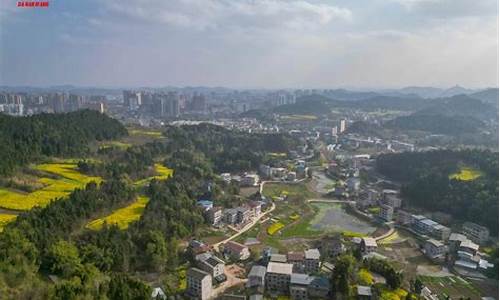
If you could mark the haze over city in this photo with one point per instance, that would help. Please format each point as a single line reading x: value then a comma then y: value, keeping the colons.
x: 251, y: 44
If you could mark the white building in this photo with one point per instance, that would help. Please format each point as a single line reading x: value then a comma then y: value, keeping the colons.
x: 368, y: 245
x: 311, y: 262
x: 386, y: 212
x: 434, y: 249
x: 199, y: 284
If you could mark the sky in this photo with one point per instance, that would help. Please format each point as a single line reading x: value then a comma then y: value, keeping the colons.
x: 251, y: 43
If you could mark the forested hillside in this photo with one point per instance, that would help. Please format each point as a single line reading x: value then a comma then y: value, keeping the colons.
x: 102, y: 264
x: 23, y: 139
x: 429, y: 183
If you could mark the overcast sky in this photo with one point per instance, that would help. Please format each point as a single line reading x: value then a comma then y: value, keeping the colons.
x: 247, y: 44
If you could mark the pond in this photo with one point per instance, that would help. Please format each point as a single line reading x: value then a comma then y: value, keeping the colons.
x: 334, y: 218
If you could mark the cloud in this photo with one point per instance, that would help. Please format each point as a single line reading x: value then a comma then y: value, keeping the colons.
x: 217, y: 14
x: 451, y: 8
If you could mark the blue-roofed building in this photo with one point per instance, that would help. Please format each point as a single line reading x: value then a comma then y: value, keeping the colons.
x: 206, y: 204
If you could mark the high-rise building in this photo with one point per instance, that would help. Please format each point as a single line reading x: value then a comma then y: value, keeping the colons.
x: 167, y: 105
x: 74, y: 103
x: 132, y: 100
x: 343, y: 124
x: 198, y: 103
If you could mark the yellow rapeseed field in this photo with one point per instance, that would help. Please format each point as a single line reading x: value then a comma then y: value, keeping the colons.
x: 54, y: 188
x: 123, y: 216
x: 5, y: 219
x: 271, y: 230
x: 162, y: 171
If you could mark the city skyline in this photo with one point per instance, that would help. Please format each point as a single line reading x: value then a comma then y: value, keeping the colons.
x: 251, y: 44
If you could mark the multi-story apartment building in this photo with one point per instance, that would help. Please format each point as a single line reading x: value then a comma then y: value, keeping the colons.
x: 199, y: 284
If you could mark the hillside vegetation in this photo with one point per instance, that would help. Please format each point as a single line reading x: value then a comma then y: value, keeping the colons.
x: 430, y: 181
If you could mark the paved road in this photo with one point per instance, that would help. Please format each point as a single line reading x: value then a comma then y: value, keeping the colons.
x: 388, y: 233
x: 244, y: 229
x: 321, y: 200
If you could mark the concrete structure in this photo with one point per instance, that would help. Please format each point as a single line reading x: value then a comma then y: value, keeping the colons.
x: 212, y: 265
x: 278, y: 276
x: 278, y: 258
x: 441, y: 232
x: 236, y: 251
x: 311, y: 262
x: 454, y: 241
x: 257, y: 277
x: 386, y: 212
x: 332, y: 247
x: 199, y: 284
x: 403, y: 217
x: 243, y: 214
x: 230, y: 216
x: 250, y: 180
x: 476, y: 233
x: 297, y: 259
x: 434, y: 249
x: 368, y: 245
x: 392, y: 200
x: 299, y: 284
x: 214, y: 215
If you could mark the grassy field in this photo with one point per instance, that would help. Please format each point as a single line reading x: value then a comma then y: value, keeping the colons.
x: 68, y: 179
x: 299, y: 190
x: 162, y: 171
x: 466, y: 174
x: 451, y: 286
x: 144, y: 132
x: 123, y: 216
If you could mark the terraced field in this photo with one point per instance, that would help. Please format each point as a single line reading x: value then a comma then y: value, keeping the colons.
x: 122, y: 217
x: 62, y: 178
x: 68, y: 179
x: 162, y: 171
x: 466, y: 174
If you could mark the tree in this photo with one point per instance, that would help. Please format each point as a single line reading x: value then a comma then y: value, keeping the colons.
x: 344, y: 265
x: 63, y: 259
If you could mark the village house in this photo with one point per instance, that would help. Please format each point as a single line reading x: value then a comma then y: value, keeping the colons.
x: 454, y: 241
x: 236, y: 251
x: 476, y: 233
x: 257, y: 278
x: 297, y: 259
x: 434, y: 249
x: 214, y: 215
x: 212, y: 265
x: 386, y: 212
x: 311, y: 262
x: 199, y: 284
x: 278, y: 276
x: 368, y: 245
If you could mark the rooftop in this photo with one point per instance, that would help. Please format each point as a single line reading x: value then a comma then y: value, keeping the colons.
x: 369, y: 242
x: 279, y: 268
x: 278, y: 258
x: 197, y: 273
x: 364, y: 290
x: 259, y: 271
x: 301, y: 279
x: 234, y: 246
x: 457, y: 237
x: 469, y: 244
x: 312, y: 254
x: 435, y: 243
x: 295, y: 256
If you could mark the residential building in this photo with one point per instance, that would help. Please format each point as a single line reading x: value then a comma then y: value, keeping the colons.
x: 297, y: 259
x: 214, y: 215
x: 243, y: 214
x: 250, y: 180
x: 441, y: 232
x: 353, y: 184
x: 434, y: 249
x: 198, y: 247
x: 454, y: 241
x: 230, y: 216
x: 332, y: 246
x: 476, y: 233
x: 392, y: 200
x: 368, y: 245
x: 278, y: 276
x: 199, y: 284
x: 364, y: 292
x: 257, y: 277
x: 299, y: 284
x: 256, y: 207
x: 386, y: 212
x: 278, y: 258
x: 403, y: 217
x: 319, y: 288
x: 343, y: 125
x: 469, y: 247
x: 212, y: 265
x: 312, y: 259
x: 236, y: 250
x: 291, y: 176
